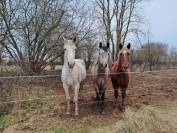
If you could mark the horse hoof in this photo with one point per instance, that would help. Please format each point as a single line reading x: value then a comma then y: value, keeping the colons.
x: 98, y: 114
x: 103, y: 113
x: 67, y: 113
x: 123, y: 108
x: 115, y: 106
x: 76, y: 114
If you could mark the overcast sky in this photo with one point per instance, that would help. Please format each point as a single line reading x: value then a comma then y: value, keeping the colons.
x: 162, y: 16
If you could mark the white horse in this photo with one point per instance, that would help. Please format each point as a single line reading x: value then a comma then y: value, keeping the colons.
x: 73, y: 73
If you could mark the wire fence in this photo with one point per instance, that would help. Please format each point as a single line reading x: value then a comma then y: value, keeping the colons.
x: 88, y: 74
x: 85, y: 93
x: 19, y: 92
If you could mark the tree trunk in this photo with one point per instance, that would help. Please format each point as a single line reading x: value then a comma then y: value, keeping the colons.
x: 131, y: 60
x: 150, y: 66
x: 113, y: 48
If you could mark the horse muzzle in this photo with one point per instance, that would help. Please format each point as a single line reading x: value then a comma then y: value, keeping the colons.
x: 125, y: 67
x: 104, y: 65
x: 71, y: 65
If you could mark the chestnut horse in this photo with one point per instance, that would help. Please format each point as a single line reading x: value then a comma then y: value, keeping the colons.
x: 121, y: 73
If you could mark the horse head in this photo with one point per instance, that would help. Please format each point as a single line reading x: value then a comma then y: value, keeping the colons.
x: 124, y: 57
x: 69, y: 51
x: 103, y: 58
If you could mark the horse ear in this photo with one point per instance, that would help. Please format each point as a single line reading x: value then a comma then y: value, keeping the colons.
x: 120, y: 46
x: 75, y: 39
x: 108, y: 44
x: 100, y: 45
x: 129, y: 45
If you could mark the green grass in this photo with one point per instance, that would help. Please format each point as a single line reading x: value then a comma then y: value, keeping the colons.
x: 36, y: 104
x: 59, y: 129
x: 4, y: 123
x: 15, y: 68
x: 8, y: 68
x: 57, y: 67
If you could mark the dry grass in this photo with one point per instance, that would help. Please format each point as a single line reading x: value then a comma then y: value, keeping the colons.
x: 161, y: 118
x: 144, y: 115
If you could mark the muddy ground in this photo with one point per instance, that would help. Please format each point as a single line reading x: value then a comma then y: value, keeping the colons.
x: 144, y: 89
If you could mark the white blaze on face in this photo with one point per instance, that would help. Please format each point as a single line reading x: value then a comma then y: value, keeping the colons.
x: 69, y: 55
x: 103, y: 57
x: 124, y: 57
x: 124, y: 52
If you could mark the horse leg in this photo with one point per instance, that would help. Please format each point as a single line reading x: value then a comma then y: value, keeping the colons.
x: 81, y: 88
x: 97, y: 98
x: 76, y: 94
x: 123, y: 98
x: 116, y: 91
x: 66, y: 89
x: 102, y: 101
x: 116, y: 95
x: 97, y: 102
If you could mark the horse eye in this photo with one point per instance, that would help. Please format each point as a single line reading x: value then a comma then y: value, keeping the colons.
x: 64, y: 49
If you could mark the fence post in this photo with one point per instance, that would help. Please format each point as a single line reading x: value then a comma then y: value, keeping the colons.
x: 18, y: 103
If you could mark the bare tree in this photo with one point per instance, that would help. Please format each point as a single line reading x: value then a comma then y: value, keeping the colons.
x: 29, y: 25
x: 106, y: 13
x: 173, y: 56
x: 153, y: 53
x: 125, y: 14
x: 32, y: 29
x: 1, y: 49
x: 89, y: 50
x: 128, y: 20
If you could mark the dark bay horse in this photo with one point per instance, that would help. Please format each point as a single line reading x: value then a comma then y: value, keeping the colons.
x: 100, y: 71
x: 121, y: 73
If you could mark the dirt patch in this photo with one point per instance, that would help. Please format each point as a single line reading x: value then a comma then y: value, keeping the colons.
x: 144, y: 89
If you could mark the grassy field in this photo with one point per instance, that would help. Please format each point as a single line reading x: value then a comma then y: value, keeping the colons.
x: 157, y: 118
x: 151, y: 107
x: 8, y: 68
x: 57, y: 67
x: 15, y: 70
